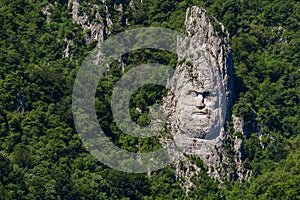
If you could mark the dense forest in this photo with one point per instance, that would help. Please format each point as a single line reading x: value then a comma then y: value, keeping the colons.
x: 41, y: 154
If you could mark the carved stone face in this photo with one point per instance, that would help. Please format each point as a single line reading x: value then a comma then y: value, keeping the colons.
x: 197, y: 107
x: 197, y: 102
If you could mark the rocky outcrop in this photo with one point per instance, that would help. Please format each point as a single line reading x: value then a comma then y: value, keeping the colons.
x: 95, y: 30
x: 67, y: 51
x: 47, y: 12
x: 94, y: 25
x: 201, y: 90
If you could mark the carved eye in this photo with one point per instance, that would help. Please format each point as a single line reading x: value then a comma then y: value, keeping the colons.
x: 193, y: 93
x: 206, y: 94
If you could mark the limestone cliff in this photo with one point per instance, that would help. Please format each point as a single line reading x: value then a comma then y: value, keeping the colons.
x: 204, y: 63
x: 95, y: 20
x: 95, y: 28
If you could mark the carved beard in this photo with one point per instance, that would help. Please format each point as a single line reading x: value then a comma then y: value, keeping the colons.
x: 194, y: 129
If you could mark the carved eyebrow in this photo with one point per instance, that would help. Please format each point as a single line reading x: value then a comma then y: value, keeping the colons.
x: 193, y: 92
x: 205, y: 94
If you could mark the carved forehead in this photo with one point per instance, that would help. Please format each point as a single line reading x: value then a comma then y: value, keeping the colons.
x: 198, y: 76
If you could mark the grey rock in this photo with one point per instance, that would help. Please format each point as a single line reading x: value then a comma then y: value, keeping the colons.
x: 96, y: 29
x: 194, y: 106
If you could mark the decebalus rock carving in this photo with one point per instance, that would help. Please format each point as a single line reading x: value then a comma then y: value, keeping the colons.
x: 200, y: 97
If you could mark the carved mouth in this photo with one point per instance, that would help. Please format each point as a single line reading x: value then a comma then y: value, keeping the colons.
x: 204, y: 112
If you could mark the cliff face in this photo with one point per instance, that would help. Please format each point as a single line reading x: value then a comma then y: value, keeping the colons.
x: 198, y: 104
x: 95, y: 20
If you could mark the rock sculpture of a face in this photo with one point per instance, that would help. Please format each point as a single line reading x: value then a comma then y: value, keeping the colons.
x: 199, y: 99
x: 194, y: 109
x: 197, y: 102
x: 199, y: 96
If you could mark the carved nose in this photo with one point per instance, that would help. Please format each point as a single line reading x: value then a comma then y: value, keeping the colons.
x: 200, y: 102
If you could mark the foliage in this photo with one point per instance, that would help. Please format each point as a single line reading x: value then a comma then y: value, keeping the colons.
x: 41, y: 155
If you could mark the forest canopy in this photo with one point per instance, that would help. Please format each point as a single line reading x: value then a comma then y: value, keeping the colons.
x: 41, y: 155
